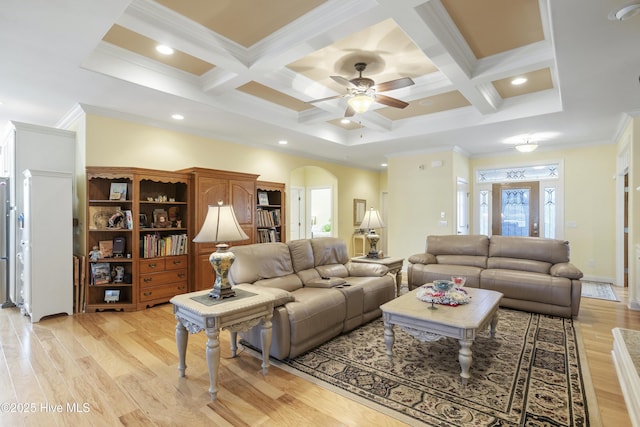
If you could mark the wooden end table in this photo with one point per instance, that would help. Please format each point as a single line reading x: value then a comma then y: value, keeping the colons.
x: 393, y: 264
x: 196, y: 312
x: 461, y: 322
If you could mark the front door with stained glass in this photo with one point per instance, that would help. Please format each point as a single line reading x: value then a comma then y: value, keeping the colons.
x: 518, y: 205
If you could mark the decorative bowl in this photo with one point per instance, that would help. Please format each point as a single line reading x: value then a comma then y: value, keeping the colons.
x: 442, y: 285
x: 459, y: 281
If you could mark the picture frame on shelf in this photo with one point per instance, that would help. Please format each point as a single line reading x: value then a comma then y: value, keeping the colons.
x: 263, y: 198
x: 111, y: 295
x: 359, y: 209
x: 118, y: 191
x: 118, y: 247
x: 106, y: 248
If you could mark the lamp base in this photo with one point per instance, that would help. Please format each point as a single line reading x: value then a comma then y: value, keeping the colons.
x: 373, y: 244
x: 221, y: 261
x: 222, y: 293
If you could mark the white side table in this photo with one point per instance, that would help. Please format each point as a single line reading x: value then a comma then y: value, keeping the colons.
x: 196, y: 312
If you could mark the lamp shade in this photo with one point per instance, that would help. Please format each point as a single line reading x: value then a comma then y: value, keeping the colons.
x: 360, y: 103
x: 372, y: 219
x: 220, y: 225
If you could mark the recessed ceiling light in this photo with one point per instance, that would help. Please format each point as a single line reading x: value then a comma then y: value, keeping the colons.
x: 164, y: 49
x: 625, y: 12
x: 518, y: 81
x: 384, y: 165
x: 345, y: 121
x: 283, y: 142
x: 177, y: 116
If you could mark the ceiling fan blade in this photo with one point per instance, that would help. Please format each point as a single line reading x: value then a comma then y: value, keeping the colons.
x: 350, y: 112
x: 391, y: 102
x: 325, y: 99
x: 394, y: 84
x: 344, y: 82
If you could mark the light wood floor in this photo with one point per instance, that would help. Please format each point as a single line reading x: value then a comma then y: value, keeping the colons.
x: 107, y: 369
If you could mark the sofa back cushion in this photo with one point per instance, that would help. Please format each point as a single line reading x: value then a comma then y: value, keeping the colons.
x: 471, y: 260
x: 260, y: 261
x: 532, y: 248
x: 519, y: 264
x: 329, y: 250
x: 301, y: 254
x: 474, y: 245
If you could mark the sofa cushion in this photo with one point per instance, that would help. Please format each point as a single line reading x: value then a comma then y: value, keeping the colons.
x: 301, y: 255
x: 290, y: 282
x: 528, y: 286
x: 519, y: 264
x: 477, y: 245
x: 260, y: 261
x: 472, y: 260
x: 329, y: 250
x: 535, y: 248
x: 332, y: 270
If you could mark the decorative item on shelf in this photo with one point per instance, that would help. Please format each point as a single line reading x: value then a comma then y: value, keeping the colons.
x: 116, y: 220
x: 118, y: 191
x: 263, y: 198
x: 95, y: 254
x: 118, y: 274
x: 370, y: 222
x: 111, y: 295
x: 118, y: 247
x: 221, y: 226
x: 442, y: 285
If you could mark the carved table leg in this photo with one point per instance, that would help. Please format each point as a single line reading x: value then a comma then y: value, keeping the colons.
x: 389, y: 339
x: 494, y: 323
x: 213, y: 360
x: 234, y: 343
x: 464, y: 357
x: 398, y: 281
x: 265, y: 341
x: 182, y: 336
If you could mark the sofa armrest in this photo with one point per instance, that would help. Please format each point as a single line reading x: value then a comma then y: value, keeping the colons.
x: 425, y: 258
x: 328, y: 282
x: 362, y: 269
x: 282, y: 297
x: 565, y: 269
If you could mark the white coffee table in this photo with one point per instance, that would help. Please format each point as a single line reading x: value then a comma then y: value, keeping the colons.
x: 461, y: 322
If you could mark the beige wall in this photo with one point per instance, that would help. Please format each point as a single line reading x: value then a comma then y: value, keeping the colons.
x: 421, y: 187
x: 113, y: 142
x: 420, y: 192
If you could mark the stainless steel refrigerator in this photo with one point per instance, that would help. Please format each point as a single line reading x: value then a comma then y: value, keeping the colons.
x: 4, y: 241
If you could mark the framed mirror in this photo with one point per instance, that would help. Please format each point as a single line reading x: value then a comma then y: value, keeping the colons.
x: 359, y: 208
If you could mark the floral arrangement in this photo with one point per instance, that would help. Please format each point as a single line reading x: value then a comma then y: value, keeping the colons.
x: 453, y: 297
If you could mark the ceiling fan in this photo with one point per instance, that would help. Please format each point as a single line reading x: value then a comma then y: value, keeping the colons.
x: 363, y: 91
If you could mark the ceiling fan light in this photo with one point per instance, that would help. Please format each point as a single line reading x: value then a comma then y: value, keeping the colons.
x: 360, y: 103
x: 526, y: 148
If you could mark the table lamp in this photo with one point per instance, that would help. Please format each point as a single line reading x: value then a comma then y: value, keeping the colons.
x: 370, y: 222
x: 221, y: 226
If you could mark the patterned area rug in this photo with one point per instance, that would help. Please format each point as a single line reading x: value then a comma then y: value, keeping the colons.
x: 530, y: 374
x: 598, y: 290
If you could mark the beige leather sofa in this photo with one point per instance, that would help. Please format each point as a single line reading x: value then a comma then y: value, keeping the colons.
x: 534, y: 274
x: 311, y: 309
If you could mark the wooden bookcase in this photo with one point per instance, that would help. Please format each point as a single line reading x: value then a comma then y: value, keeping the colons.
x: 270, y: 212
x: 154, y: 232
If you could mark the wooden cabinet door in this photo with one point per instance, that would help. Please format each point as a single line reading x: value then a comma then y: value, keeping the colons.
x: 243, y: 201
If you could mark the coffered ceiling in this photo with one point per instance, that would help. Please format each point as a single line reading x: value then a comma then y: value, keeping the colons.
x: 245, y: 70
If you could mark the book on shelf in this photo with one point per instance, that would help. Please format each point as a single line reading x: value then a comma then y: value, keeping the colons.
x: 154, y: 245
x: 100, y: 273
x: 268, y: 217
x: 128, y: 219
x: 106, y: 248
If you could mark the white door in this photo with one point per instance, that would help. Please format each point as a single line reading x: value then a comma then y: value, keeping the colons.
x: 462, y: 207
x: 296, y: 213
